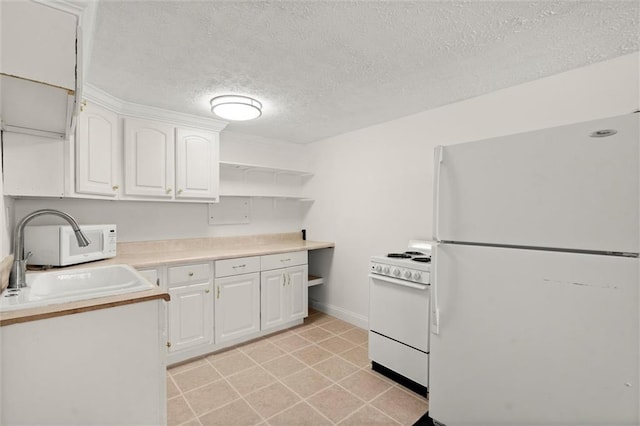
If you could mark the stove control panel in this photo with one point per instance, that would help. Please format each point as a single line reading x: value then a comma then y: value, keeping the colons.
x: 401, y: 273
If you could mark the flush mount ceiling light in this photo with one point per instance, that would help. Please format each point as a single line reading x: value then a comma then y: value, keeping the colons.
x: 236, y: 107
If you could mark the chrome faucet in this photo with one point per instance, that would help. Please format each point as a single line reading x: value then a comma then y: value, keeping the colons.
x: 19, y: 269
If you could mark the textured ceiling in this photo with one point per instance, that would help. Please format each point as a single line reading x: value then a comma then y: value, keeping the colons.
x: 323, y: 68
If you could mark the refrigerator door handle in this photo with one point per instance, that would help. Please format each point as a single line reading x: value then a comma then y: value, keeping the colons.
x: 437, y: 160
x: 435, y: 309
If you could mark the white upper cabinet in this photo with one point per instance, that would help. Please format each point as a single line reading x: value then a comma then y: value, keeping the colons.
x: 39, y: 43
x: 97, y: 152
x: 165, y: 162
x: 197, y: 169
x: 39, y: 67
x: 148, y: 158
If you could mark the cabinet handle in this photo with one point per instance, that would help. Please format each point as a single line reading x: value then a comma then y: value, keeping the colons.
x: 158, y: 282
x: 207, y: 291
x: 190, y: 274
x: 115, y: 187
x: 218, y: 295
x: 284, y: 279
x: 168, y: 344
x: 179, y: 191
x: 82, y: 105
x: 168, y: 191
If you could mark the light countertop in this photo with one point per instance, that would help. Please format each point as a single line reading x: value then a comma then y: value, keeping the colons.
x: 148, y: 254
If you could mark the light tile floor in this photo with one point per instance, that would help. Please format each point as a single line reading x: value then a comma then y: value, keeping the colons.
x: 315, y: 374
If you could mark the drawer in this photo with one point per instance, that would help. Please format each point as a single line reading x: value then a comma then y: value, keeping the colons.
x: 283, y: 260
x: 240, y: 265
x: 189, y: 273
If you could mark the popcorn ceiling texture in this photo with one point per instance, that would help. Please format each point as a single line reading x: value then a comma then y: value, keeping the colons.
x: 323, y: 68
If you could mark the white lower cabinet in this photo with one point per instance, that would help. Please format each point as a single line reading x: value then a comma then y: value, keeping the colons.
x: 283, y: 291
x: 190, y: 313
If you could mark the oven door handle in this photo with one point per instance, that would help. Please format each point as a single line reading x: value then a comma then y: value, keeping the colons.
x: 396, y: 281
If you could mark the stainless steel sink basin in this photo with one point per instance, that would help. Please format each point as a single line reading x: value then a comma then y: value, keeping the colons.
x: 48, y: 288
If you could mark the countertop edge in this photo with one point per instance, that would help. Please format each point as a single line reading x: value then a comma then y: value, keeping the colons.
x: 80, y: 306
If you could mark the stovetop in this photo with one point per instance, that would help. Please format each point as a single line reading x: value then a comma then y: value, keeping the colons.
x: 410, y: 265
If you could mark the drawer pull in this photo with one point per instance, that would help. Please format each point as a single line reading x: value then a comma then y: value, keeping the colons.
x: 285, y: 260
x: 207, y: 291
x: 239, y: 266
x: 168, y: 344
x: 190, y: 274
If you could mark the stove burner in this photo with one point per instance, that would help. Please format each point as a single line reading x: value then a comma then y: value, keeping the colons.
x: 399, y: 255
x: 414, y: 253
x: 422, y: 259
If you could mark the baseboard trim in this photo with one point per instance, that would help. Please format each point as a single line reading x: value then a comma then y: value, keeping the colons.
x: 341, y: 313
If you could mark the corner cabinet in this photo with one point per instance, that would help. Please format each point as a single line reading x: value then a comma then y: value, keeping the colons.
x: 163, y: 162
x: 283, y: 289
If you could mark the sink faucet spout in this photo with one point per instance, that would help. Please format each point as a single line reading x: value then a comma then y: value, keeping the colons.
x: 18, y: 271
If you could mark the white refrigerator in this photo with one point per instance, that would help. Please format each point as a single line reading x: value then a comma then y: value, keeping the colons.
x: 535, y: 301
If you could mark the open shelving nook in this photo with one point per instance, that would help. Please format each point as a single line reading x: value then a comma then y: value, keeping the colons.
x: 250, y: 180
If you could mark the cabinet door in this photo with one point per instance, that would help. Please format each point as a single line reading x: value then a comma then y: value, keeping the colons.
x: 237, y: 306
x: 148, y: 158
x: 297, y: 278
x: 272, y: 299
x: 197, y: 169
x: 190, y: 316
x: 97, y: 151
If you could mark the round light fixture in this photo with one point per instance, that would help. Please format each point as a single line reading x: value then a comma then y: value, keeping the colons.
x: 236, y: 107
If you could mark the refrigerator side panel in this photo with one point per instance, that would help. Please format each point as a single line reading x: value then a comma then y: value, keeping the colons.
x: 534, y: 337
x: 557, y: 188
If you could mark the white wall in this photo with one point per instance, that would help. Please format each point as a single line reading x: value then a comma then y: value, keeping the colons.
x: 138, y: 221
x: 373, y: 187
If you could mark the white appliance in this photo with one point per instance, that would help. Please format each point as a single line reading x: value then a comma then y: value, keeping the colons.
x: 535, y: 299
x: 56, y: 245
x: 399, y: 315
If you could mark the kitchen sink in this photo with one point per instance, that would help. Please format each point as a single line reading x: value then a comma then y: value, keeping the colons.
x: 48, y: 288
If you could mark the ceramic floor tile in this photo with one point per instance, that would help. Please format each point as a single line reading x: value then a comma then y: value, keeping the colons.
x: 237, y: 413
x: 312, y: 354
x: 336, y: 368
x: 315, y: 334
x: 335, y: 403
x: 318, y: 319
x: 264, y: 353
x: 368, y: 415
x: 336, y: 345
x: 306, y: 382
x: 301, y: 414
x: 251, y: 379
x: 194, y: 422
x: 337, y: 326
x: 196, y: 377
x: 172, y: 389
x: 178, y: 411
x: 210, y: 397
x: 358, y: 356
x: 272, y: 399
x: 283, y: 366
x: 356, y: 336
x: 365, y: 385
x: 401, y: 406
x: 292, y: 343
x: 232, y: 363
x: 181, y: 368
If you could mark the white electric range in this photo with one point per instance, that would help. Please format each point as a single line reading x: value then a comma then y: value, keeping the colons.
x: 399, y: 315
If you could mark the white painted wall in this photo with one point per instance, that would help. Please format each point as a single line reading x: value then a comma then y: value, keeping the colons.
x: 373, y: 187
x: 139, y: 221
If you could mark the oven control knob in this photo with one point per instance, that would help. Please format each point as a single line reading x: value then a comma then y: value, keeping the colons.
x: 407, y: 274
x: 417, y: 276
x: 378, y: 268
x: 386, y: 270
x: 396, y: 272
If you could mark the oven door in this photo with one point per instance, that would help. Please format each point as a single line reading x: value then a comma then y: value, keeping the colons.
x: 399, y: 310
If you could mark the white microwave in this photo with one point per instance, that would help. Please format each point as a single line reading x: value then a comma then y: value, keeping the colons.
x: 56, y: 245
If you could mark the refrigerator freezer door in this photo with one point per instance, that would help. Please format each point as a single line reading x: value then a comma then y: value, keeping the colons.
x: 557, y: 188
x: 534, y: 337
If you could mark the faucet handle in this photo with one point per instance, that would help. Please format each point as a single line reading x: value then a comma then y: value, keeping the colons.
x: 26, y: 257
